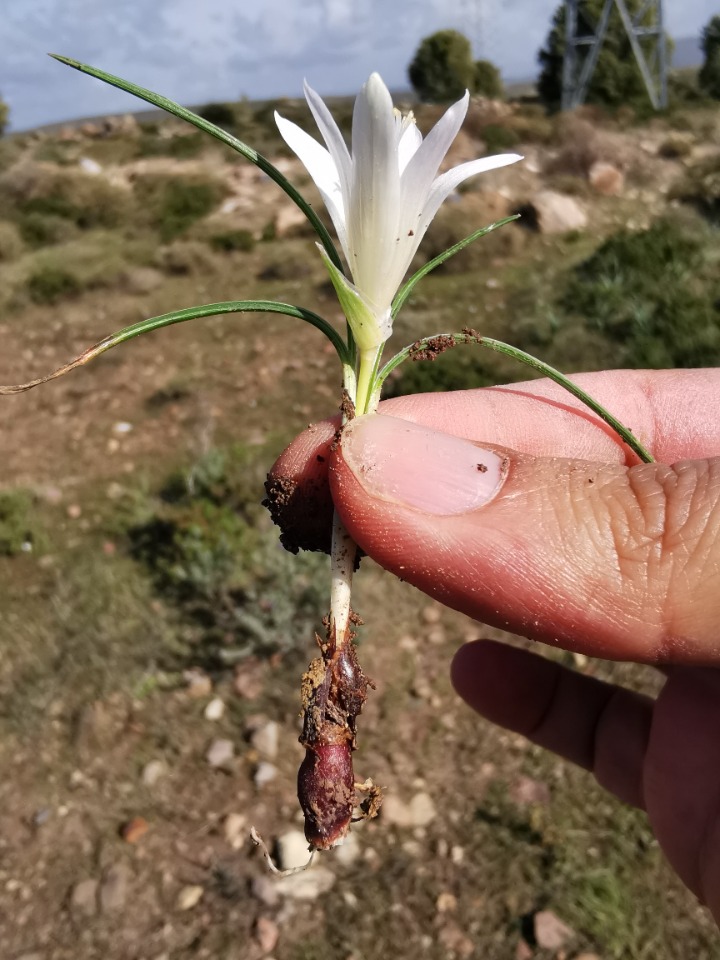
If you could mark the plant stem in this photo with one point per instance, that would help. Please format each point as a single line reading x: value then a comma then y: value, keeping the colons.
x: 342, y: 565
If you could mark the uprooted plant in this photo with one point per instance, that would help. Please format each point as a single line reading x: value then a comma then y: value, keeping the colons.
x: 381, y: 198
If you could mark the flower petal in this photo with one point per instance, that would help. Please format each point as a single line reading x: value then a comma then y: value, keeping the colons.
x: 333, y: 139
x: 420, y: 173
x: 374, y: 212
x: 410, y: 141
x: 321, y: 167
x: 444, y: 185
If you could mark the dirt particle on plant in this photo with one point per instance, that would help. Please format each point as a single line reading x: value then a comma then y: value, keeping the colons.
x: 302, y: 511
x: 481, y: 468
x: 431, y: 348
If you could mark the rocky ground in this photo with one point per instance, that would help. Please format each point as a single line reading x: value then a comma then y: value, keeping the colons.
x: 134, y: 766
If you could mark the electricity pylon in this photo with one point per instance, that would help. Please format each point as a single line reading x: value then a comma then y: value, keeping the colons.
x: 646, y: 33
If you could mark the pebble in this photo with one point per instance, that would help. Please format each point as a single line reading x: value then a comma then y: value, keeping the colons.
x: 215, y: 709
x: 152, y: 772
x: 347, y: 852
x: 122, y: 427
x: 446, y: 902
x: 264, y: 890
x: 74, y: 511
x: 419, y: 812
x: 266, y: 934
x: 264, y: 774
x: 134, y: 830
x: 550, y: 932
x: 84, y: 898
x: 189, y: 897
x: 292, y: 850
x: 308, y: 885
x: 220, y: 753
x: 114, y: 888
x: 266, y: 739
x: 234, y: 829
x: 432, y: 614
x: 198, y: 682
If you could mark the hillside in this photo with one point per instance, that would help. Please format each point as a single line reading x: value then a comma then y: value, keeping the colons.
x: 154, y: 632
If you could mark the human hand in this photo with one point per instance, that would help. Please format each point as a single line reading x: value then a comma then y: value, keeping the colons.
x: 560, y: 536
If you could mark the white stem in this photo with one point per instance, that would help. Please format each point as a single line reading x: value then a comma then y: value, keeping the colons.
x: 342, y: 564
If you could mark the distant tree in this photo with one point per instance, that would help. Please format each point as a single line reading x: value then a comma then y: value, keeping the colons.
x: 487, y: 80
x: 4, y: 115
x: 443, y: 67
x: 709, y: 76
x: 221, y: 114
x: 617, y: 80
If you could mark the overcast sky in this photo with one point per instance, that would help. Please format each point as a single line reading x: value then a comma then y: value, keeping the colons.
x: 200, y: 50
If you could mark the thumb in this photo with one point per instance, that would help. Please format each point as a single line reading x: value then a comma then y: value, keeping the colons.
x: 614, y: 561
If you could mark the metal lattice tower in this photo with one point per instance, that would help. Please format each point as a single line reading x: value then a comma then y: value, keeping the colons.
x: 584, y: 40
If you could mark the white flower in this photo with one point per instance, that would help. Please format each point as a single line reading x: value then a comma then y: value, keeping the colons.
x: 381, y: 197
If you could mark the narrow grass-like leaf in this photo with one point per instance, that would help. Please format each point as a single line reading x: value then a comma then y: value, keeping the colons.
x: 180, y: 316
x: 170, y: 106
x: 407, y: 288
x: 443, y: 341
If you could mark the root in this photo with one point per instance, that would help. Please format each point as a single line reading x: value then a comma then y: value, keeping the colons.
x: 291, y: 871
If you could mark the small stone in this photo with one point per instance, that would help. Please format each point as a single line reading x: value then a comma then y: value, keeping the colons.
x: 348, y: 851
x: 51, y: 494
x: 446, y: 902
x: 90, y: 166
x: 84, y: 898
x: 526, y: 792
x: 308, y: 885
x: 248, y: 680
x: 606, y: 179
x: 134, y: 830
x: 264, y: 890
x: 122, y: 427
x: 550, y: 932
x: 422, y: 810
x: 189, y: 897
x: 457, y: 854
x: 234, y: 828
x: 266, y: 738
x: 153, y: 771
x: 432, y: 614
x: 74, y: 511
x: 557, y: 213
x: 292, y: 850
x: 198, y: 682
x: 523, y: 951
x: 215, y: 709
x: 289, y: 220
x: 265, y: 773
x: 220, y: 753
x: 455, y: 941
x: 114, y: 888
x: 266, y: 934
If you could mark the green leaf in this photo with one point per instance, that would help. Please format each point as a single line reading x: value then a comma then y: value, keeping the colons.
x: 431, y: 347
x: 170, y: 106
x: 407, y: 289
x: 180, y: 316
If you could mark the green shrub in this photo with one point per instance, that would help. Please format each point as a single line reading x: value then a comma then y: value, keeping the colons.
x: 232, y: 240
x: 700, y: 188
x: 16, y: 527
x: 11, y: 243
x: 486, y: 80
x: 173, y: 204
x: 221, y: 114
x: 709, y: 76
x: 652, y: 292
x: 4, y: 116
x: 210, y: 552
x: 42, y: 230
x: 442, y: 68
x: 182, y: 146
x: 185, y: 258
x: 498, y: 139
x: 86, y: 201
x: 49, y: 283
